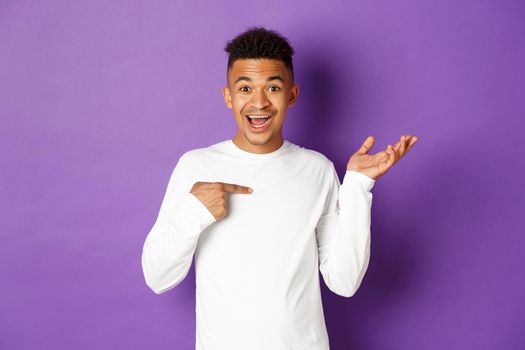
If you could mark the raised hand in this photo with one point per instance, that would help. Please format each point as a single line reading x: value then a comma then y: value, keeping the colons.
x: 376, y: 165
x: 213, y: 195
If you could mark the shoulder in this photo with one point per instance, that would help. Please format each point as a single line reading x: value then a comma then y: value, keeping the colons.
x: 317, y: 165
x: 197, y: 155
x: 317, y: 159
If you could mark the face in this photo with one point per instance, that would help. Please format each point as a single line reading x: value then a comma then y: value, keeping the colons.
x: 259, y: 87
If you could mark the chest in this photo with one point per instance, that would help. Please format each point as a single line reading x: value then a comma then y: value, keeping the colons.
x: 287, y: 200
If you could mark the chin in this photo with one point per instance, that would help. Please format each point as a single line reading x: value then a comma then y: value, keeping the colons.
x: 258, y: 139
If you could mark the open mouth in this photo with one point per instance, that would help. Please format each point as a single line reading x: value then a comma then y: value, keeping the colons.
x: 258, y: 121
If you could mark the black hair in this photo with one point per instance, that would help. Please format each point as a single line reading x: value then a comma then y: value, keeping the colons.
x: 259, y: 42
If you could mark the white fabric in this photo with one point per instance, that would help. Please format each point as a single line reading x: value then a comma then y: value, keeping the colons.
x: 257, y: 269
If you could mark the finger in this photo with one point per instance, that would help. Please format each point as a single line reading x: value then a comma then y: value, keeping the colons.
x: 393, y: 152
x: 413, y: 140
x: 234, y: 188
x: 366, y: 146
x: 392, y: 155
x: 397, y: 145
x: 401, y: 143
x: 403, y: 146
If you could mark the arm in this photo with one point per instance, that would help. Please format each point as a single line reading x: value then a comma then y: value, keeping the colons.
x: 169, y: 246
x: 343, y: 232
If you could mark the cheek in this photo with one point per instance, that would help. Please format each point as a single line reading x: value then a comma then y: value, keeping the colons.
x: 238, y: 105
x: 280, y: 103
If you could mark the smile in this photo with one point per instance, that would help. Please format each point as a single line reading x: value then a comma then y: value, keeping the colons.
x: 258, y: 121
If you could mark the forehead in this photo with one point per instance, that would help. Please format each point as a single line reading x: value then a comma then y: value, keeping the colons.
x: 258, y: 69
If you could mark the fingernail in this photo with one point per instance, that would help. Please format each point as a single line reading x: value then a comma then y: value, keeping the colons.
x: 250, y: 190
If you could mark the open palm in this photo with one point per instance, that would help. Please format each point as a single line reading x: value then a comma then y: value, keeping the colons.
x: 376, y: 165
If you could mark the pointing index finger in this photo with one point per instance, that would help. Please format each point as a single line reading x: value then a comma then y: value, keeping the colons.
x: 234, y: 188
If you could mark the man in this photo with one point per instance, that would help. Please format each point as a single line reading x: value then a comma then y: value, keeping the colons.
x: 262, y: 216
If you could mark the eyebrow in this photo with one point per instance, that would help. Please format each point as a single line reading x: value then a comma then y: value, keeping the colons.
x: 273, y: 77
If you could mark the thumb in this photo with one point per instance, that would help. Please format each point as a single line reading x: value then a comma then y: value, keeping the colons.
x: 366, y: 146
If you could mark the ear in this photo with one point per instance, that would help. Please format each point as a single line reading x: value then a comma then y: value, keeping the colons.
x: 294, y: 92
x: 226, y: 93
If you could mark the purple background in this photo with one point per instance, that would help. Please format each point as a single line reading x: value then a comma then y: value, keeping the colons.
x: 98, y: 99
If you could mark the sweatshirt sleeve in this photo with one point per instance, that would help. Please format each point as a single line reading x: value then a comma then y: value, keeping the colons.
x: 170, y: 244
x: 343, y: 232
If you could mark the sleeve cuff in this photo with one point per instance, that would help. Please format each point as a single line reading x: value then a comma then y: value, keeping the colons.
x: 365, y: 181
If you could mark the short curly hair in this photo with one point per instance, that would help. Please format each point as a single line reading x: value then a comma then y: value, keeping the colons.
x: 259, y: 42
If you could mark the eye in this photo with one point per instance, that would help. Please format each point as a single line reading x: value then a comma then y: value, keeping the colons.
x: 244, y: 88
x: 274, y: 88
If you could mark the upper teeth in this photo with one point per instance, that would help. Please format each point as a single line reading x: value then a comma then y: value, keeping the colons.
x: 258, y: 116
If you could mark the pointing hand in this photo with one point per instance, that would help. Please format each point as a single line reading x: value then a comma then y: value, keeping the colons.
x: 213, y: 195
x: 376, y: 165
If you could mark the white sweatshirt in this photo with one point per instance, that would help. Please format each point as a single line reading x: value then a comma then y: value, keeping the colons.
x: 257, y: 269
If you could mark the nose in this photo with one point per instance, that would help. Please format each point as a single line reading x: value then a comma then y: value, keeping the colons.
x: 259, y: 99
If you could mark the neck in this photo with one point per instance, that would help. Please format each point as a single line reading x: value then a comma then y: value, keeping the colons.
x: 254, y: 146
